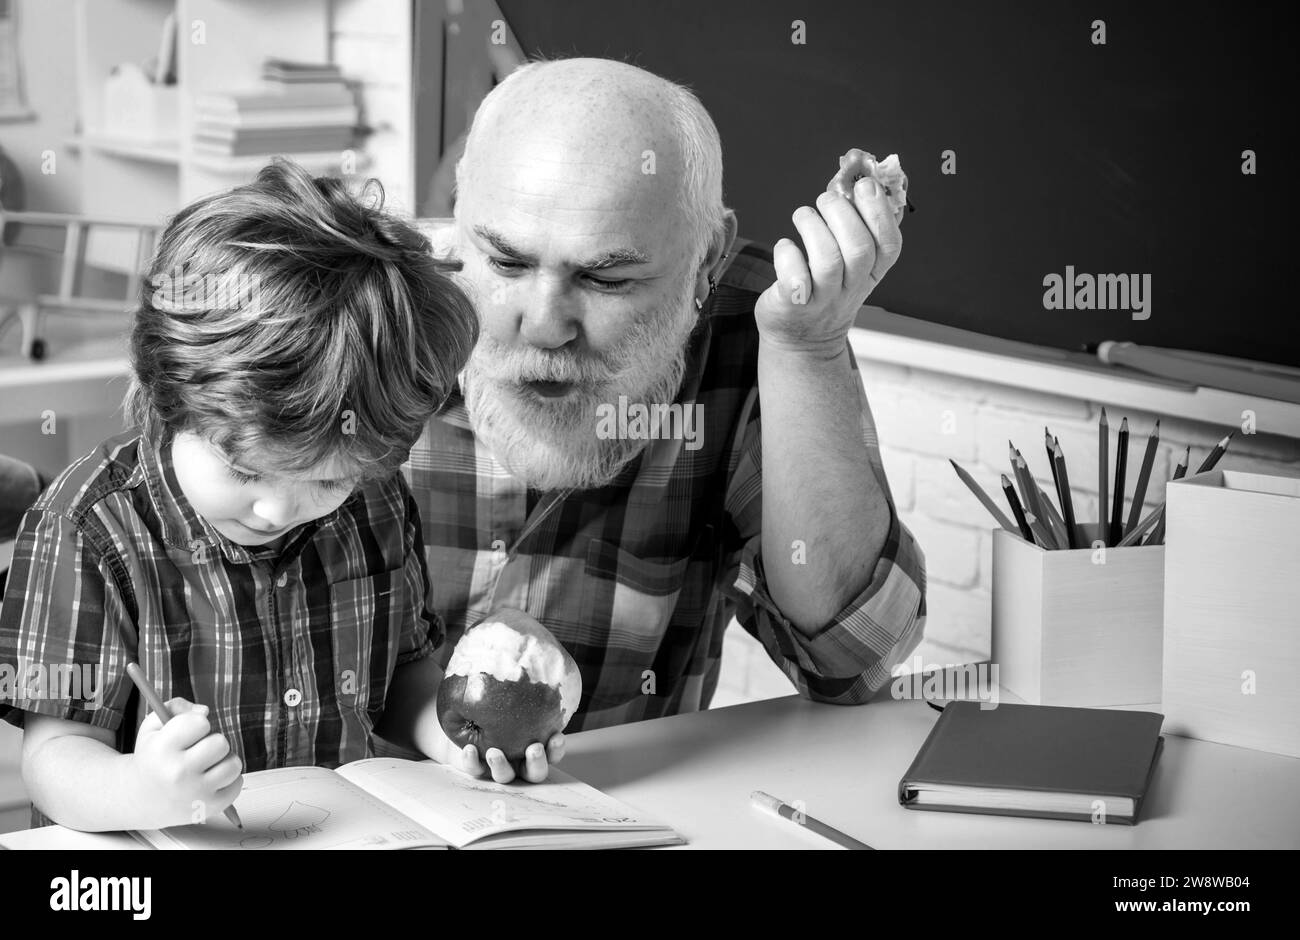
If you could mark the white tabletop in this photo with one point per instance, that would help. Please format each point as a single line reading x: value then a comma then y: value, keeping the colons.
x: 695, y: 772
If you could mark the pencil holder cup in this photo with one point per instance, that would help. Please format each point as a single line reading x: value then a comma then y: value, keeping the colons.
x: 1232, y: 610
x: 1080, y: 626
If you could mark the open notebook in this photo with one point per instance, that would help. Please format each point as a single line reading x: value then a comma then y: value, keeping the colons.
x: 389, y: 803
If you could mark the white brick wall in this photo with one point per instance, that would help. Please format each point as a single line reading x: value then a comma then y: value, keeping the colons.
x: 925, y: 418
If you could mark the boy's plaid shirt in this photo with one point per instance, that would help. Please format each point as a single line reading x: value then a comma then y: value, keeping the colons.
x: 639, y: 579
x: 292, y: 653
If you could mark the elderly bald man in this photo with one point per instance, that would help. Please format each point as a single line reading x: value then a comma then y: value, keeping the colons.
x: 609, y: 279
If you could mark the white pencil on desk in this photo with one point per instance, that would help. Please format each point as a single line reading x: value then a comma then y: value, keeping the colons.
x: 770, y: 804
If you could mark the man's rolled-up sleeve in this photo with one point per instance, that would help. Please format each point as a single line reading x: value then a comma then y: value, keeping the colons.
x: 852, y: 656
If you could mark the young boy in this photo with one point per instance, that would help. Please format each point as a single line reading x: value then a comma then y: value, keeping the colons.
x: 251, y: 544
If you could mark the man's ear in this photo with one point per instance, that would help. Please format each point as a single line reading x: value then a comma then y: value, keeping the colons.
x: 720, y: 248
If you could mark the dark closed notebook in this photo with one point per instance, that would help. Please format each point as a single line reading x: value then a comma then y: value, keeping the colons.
x: 1092, y: 764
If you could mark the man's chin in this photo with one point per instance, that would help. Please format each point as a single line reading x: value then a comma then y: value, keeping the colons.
x: 549, y: 443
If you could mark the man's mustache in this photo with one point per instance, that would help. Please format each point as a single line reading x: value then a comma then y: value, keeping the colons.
x: 518, y: 364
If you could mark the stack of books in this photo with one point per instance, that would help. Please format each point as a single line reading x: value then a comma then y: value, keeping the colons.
x: 298, y: 108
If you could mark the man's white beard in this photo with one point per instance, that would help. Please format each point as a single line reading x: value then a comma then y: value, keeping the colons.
x: 551, y: 444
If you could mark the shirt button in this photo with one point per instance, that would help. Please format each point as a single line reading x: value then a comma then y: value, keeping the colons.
x: 293, y: 698
x: 283, y: 580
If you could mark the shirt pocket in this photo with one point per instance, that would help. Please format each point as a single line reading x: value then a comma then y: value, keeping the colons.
x: 646, y: 616
x: 367, y: 619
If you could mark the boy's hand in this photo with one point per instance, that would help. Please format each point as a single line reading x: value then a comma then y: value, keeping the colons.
x: 184, y: 771
x: 537, y: 759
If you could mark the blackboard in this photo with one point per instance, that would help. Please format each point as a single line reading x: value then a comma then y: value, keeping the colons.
x: 1115, y: 158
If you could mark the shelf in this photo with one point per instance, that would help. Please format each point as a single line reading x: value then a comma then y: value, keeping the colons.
x: 318, y: 163
x: 130, y: 149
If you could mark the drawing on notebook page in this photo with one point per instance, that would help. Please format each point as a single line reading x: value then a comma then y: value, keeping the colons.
x: 299, y: 820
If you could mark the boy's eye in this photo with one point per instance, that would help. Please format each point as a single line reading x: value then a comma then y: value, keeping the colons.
x: 240, y: 476
x: 334, y: 487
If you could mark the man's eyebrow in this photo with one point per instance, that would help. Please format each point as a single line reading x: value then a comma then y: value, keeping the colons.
x: 498, y: 241
x: 613, y: 258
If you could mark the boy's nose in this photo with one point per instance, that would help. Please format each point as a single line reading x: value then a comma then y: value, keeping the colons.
x: 275, y: 512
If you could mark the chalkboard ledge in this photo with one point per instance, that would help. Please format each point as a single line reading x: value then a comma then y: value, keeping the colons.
x: 887, y: 337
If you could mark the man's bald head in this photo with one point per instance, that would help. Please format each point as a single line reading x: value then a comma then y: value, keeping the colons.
x: 627, y: 132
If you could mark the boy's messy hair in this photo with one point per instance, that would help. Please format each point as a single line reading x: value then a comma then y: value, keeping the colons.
x: 292, y: 315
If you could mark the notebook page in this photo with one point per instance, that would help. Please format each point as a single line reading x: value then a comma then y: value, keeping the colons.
x: 462, y: 809
x: 300, y: 808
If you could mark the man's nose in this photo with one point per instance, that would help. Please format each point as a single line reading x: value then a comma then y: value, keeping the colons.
x: 550, y: 316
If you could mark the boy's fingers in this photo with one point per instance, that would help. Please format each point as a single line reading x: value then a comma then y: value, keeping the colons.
x: 535, y: 766
x: 207, y: 752
x: 223, y: 774
x: 555, y: 748
x: 228, y: 794
x: 184, y: 731
x: 180, y: 706
x: 468, y: 761
x: 502, y: 772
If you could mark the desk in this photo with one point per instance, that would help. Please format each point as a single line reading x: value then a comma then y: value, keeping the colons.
x: 696, y: 771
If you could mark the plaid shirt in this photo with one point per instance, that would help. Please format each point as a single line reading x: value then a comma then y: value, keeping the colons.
x: 640, y: 579
x: 292, y: 652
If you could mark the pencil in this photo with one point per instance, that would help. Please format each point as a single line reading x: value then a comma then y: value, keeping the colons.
x: 1029, y: 493
x: 1158, y: 533
x: 775, y: 807
x: 1214, y: 456
x: 1027, y: 497
x: 1121, y: 464
x: 1064, y: 495
x: 1037, y: 527
x: 1016, y: 509
x: 1144, y: 477
x: 1051, y: 458
x: 1103, y: 476
x: 164, y: 715
x: 983, y: 497
x: 1142, y: 526
x: 1053, y: 518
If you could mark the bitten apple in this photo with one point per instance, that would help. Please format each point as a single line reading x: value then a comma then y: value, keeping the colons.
x: 508, y: 683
